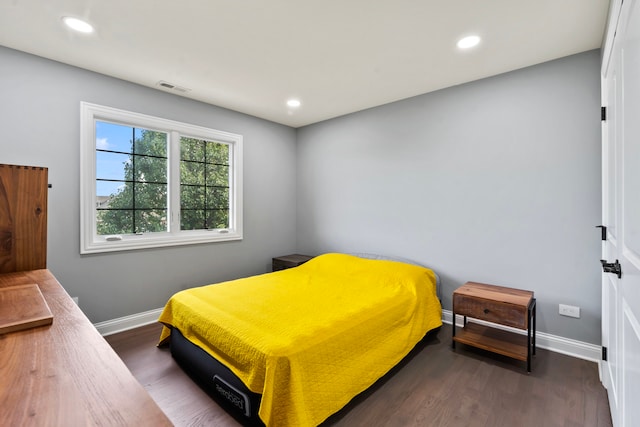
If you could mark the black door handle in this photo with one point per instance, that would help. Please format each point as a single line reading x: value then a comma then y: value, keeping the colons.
x: 611, y: 267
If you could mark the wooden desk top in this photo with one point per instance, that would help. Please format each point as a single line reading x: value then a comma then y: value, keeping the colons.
x: 66, y: 374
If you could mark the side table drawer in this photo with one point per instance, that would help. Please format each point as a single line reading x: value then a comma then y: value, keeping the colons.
x: 491, y: 311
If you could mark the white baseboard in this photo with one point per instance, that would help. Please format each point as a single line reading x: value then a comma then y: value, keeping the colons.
x: 128, y: 322
x: 578, y: 349
x: 554, y: 343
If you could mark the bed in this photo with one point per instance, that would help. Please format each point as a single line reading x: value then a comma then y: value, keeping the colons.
x: 293, y: 347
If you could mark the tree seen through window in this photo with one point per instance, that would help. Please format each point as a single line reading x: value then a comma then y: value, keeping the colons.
x: 132, y: 183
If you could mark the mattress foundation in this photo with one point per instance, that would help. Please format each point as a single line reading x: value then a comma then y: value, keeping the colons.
x: 217, y: 380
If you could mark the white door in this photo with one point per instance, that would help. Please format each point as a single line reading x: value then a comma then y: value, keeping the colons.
x: 621, y: 214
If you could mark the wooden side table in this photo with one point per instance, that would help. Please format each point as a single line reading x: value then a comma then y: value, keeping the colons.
x: 288, y: 261
x: 500, y: 305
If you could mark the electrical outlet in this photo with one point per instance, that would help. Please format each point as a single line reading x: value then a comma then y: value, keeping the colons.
x: 569, y: 310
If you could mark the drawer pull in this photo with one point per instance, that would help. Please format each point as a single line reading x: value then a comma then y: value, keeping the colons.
x: 486, y: 310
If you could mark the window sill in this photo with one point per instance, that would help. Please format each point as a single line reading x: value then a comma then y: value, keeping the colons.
x: 158, y: 240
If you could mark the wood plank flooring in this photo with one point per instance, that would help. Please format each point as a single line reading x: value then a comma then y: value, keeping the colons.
x: 433, y: 386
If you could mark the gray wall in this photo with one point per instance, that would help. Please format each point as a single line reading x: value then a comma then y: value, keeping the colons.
x: 495, y: 181
x: 39, y: 118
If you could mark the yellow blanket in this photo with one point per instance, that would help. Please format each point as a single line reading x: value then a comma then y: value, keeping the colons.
x: 310, y: 338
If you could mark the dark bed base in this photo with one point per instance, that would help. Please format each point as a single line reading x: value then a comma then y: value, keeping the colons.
x: 217, y: 380
x: 227, y: 389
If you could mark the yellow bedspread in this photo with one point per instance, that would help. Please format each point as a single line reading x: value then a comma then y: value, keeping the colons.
x: 310, y: 338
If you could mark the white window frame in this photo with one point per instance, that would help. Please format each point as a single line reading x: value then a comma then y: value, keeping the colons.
x: 91, y: 242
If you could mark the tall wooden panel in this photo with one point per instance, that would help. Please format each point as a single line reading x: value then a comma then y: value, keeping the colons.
x: 23, y: 218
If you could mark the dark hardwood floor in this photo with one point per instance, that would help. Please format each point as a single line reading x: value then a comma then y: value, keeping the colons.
x: 433, y: 386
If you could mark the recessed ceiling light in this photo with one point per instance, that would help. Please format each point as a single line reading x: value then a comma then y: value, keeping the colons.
x: 294, y: 103
x: 78, y: 24
x: 468, y: 42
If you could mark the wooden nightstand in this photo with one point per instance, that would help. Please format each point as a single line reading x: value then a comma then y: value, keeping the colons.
x: 500, y: 305
x: 288, y: 261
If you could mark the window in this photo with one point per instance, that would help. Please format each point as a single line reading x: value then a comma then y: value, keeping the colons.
x: 131, y: 179
x: 204, y: 184
x: 149, y: 182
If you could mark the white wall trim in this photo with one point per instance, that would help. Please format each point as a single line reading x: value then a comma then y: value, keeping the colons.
x: 122, y: 324
x: 568, y: 346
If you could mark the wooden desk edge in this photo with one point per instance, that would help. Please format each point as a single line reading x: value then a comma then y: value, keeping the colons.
x: 67, y: 374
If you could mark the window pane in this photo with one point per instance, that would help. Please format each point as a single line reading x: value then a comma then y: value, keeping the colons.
x: 108, y: 189
x: 113, y: 137
x: 150, y: 196
x: 150, y: 143
x: 149, y: 169
x: 204, y: 174
x: 152, y: 220
x: 218, y: 198
x: 217, y: 153
x: 192, y: 173
x: 218, y: 175
x: 121, y: 198
x: 131, y: 184
x: 111, y: 165
x: 191, y: 149
x: 192, y: 220
x: 191, y: 197
x: 115, y: 222
x: 218, y: 219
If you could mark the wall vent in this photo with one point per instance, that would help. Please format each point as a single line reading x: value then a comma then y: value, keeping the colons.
x: 171, y: 86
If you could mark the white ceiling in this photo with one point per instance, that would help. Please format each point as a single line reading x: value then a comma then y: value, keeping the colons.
x: 336, y: 56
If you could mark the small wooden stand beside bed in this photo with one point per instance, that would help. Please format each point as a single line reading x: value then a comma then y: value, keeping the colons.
x: 293, y: 347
